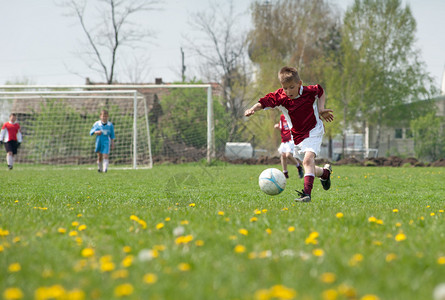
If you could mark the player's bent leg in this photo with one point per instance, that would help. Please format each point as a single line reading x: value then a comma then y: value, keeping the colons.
x: 325, y: 178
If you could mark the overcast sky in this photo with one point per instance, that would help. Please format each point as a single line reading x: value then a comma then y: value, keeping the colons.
x: 40, y: 43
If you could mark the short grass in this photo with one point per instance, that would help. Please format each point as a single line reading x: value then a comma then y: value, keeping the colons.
x: 196, y: 232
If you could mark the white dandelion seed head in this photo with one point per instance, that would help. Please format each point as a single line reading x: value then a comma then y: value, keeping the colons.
x: 178, y: 231
x: 439, y: 292
x: 145, y: 255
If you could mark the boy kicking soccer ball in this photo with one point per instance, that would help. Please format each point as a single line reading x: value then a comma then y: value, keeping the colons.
x: 286, y: 148
x: 304, y: 107
x: 104, y: 132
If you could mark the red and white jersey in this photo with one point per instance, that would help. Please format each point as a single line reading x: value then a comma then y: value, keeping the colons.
x: 286, y: 135
x: 301, y: 113
x: 11, y: 132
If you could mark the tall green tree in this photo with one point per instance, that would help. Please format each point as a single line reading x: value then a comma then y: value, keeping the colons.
x: 429, y: 137
x: 385, y: 68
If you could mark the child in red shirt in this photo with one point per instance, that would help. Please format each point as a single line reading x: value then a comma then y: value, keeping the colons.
x: 12, y: 137
x: 286, y: 148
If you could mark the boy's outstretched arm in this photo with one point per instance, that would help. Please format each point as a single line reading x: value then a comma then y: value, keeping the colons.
x: 253, y: 109
x: 324, y: 113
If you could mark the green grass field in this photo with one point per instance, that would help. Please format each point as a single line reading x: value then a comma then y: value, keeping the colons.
x: 195, y: 232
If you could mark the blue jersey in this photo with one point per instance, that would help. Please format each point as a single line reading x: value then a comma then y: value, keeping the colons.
x: 103, y: 140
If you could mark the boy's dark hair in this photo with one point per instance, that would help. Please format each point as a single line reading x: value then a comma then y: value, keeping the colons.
x: 104, y: 112
x: 13, y: 114
x: 287, y: 74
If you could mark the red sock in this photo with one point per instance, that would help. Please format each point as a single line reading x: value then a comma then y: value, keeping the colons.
x: 325, y: 174
x: 308, y: 184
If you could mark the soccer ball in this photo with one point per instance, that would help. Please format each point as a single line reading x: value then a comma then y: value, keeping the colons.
x: 272, y: 181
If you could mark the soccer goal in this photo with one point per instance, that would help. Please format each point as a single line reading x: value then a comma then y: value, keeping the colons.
x: 56, y: 121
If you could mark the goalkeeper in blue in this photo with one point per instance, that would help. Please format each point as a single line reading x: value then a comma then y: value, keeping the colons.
x: 104, y: 131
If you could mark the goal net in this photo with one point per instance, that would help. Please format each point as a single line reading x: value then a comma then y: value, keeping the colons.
x: 150, y: 124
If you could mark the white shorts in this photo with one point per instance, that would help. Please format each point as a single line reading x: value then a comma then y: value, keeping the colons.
x: 287, y: 147
x: 312, y: 144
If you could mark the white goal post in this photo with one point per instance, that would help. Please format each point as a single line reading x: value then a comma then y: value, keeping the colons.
x: 126, y: 100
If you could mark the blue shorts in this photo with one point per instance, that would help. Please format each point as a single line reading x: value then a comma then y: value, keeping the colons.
x: 103, y: 148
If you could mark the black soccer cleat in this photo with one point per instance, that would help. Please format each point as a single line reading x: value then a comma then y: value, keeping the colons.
x: 300, y: 171
x: 286, y: 174
x: 326, y: 183
x: 303, y: 197
x: 9, y: 167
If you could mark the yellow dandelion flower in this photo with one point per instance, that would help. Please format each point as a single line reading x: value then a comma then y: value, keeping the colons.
x: 400, y: 237
x: 269, y: 231
x: 257, y: 212
x: 127, y: 261
x: 73, y: 233
x: 291, y: 229
x: 233, y: 237
x: 243, y: 231
x: 395, y: 210
x: 328, y: 277
x: 347, y: 291
x: 226, y: 219
x: 134, y: 218
x: 123, y: 290
x: 356, y: 259
x: 377, y: 243
x: 264, y: 211
x: 82, y: 227
x: 184, y: 222
x: 15, y: 267
x: 441, y: 260
x: 107, y: 266
x: 119, y: 274
x: 51, y: 292
x: 126, y: 249
x: 285, y: 208
x: 330, y: 294
x: 253, y: 219
x: 312, y: 238
x: 142, y: 223
x: 168, y: 219
x: 184, y: 267
x: 318, y: 252
x: 75, y: 224
x: 4, y: 232
x: 150, y: 278
x: 252, y: 255
x: 61, y: 230
x: 159, y: 226
x: 192, y: 204
x: 199, y: 243
x: 79, y: 215
x: 282, y: 292
x: 380, y: 222
x: 2, y: 248
x: 87, y: 252
x: 432, y: 214
x: 369, y: 297
x: 372, y: 219
x: 239, y: 249
x: 441, y: 210
x: 159, y: 247
x: 75, y: 294
x: 13, y: 293
x: 390, y: 257
x: 398, y: 224
x: 339, y: 215
x: 220, y: 213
